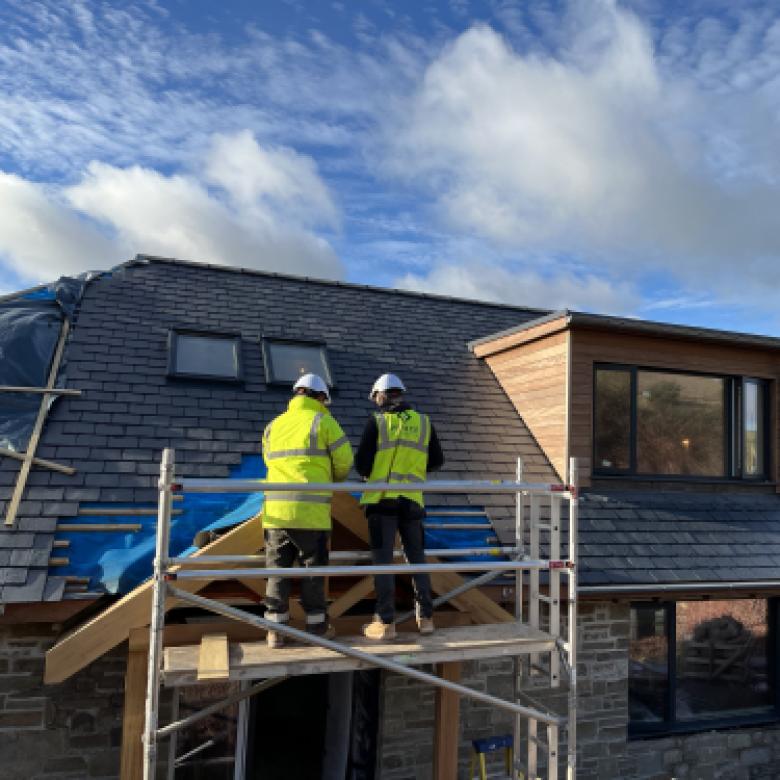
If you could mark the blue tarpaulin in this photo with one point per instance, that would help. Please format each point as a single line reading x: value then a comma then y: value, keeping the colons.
x: 116, y: 562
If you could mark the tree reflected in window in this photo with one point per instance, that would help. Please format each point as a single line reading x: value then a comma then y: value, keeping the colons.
x: 680, y: 424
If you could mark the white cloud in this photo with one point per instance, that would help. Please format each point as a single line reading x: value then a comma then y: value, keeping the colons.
x: 257, y: 216
x: 41, y: 238
x: 524, y: 287
x: 596, y: 152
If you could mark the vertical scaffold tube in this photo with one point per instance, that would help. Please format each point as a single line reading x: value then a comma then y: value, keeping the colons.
x: 571, y: 763
x: 519, y: 534
x: 158, y: 614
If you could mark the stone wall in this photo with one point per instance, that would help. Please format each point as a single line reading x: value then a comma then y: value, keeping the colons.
x: 604, y: 752
x: 71, y: 730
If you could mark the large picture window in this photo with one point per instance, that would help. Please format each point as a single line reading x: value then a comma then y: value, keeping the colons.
x: 697, y: 664
x: 663, y: 423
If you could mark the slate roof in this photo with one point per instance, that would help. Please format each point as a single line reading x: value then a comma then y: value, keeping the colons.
x: 117, y: 354
x: 629, y: 538
x: 114, y: 433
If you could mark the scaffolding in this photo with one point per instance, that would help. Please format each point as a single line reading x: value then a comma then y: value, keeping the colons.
x: 535, y: 651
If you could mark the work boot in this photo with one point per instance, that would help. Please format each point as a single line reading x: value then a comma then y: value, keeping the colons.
x: 323, y: 629
x: 425, y: 625
x: 378, y: 630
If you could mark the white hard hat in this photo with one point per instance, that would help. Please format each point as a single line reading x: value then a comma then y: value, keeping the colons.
x: 386, y: 382
x: 313, y: 382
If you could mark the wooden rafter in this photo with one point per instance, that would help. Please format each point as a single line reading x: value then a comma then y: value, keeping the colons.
x: 110, y: 628
x: 32, y: 444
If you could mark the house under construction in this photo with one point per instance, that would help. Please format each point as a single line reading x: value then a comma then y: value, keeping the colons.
x: 676, y: 525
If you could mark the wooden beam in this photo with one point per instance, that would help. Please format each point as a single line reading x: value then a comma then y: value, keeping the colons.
x: 447, y: 724
x: 59, y: 561
x: 213, y: 663
x: 32, y: 444
x: 348, y: 512
x: 52, y: 612
x: 348, y: 600
x: 131, y: 760
x: 110, y: 628
x: 46, y: 464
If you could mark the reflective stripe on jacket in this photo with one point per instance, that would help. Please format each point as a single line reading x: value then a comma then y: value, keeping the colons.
x: 401, y: 454
x: 305, y: 444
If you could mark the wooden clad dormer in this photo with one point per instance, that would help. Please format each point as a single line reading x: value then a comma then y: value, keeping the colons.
x: 554, y: 370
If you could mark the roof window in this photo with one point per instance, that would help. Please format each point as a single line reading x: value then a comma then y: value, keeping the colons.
x: 202, y: 355
x: 287, y: 359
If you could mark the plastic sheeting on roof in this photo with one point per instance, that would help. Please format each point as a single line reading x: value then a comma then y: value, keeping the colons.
x: 116, y: 562
x: 29, y: 329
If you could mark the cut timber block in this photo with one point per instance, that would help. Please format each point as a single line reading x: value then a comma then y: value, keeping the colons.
x: 213, y: 663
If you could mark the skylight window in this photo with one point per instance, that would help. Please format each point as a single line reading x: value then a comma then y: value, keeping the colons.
x: 286, y: 360
x: 203, y: 355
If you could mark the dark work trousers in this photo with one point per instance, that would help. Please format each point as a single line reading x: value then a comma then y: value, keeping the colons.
x: 283, y: 547
x: 384, y: 519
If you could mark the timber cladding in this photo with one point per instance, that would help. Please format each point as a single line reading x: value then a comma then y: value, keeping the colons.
x: 534, y: 376
x: 589, y: 347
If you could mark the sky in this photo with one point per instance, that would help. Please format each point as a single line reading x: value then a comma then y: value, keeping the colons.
x: 616, y: 157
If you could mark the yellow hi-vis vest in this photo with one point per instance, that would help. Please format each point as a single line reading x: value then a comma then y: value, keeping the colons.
x: 401, y: 454
x: 305, y: 444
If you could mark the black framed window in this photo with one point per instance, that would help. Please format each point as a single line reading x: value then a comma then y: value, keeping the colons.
x: 651, y: 422
x: 204, y: 355
x: 697, y: 665
x: 287, y: 359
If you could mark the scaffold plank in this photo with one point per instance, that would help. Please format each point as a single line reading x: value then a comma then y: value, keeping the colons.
x: 253, y: 660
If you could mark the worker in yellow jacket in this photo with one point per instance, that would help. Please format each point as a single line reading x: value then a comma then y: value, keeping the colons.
x: 399, y: 445
x: 305, y: 444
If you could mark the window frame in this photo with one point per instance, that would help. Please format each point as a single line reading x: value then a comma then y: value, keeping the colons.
x: 173, y: 373
x: 670, y: 726
x: 733, y: 442
x: 271, y: 381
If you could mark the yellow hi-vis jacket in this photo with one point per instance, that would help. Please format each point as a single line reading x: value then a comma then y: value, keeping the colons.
x: 401, y: 454
x: 305, y: 444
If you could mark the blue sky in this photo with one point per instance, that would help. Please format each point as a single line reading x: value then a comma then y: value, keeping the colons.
x: 619, y: 157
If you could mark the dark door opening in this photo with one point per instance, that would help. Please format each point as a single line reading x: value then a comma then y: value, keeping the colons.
x: 315, y: 727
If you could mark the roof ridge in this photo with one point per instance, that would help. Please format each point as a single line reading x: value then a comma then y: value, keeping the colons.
x: 144, y: 258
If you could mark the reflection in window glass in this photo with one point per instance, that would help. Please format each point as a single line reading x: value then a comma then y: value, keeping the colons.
x: 722, y: 659
x: 752, y: 428
x: 286, y: 361
x: 613, y: 419
x: 680, y: 424
x: 648, y: 673
x: 206, y: 356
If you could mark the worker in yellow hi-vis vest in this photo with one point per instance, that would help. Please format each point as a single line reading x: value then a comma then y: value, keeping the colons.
x: 399, y: 445
x: 305, y: 444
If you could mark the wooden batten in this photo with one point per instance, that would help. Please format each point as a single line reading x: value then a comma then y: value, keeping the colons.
x: 98, y: 527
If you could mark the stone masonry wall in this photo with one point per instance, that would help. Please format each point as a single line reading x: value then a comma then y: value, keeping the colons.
x: 72, y: 730
x: 604, y: 752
